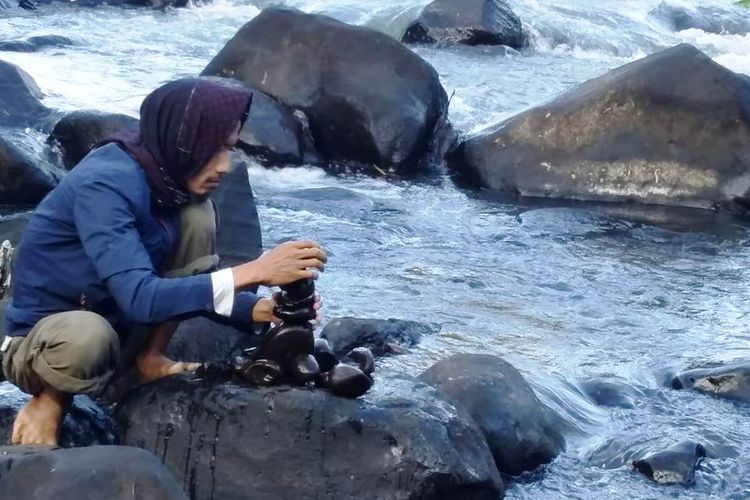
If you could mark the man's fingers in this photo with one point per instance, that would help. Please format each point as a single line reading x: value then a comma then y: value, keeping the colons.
x: 314, y: 253
x: 316, y: 263
x: 304, y: 244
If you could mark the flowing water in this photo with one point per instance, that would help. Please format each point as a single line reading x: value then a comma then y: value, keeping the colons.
x: 567, y: 293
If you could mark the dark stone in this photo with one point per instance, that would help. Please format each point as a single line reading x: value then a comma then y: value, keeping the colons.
x: 85, y: 424
x: 347, y: 381
x: 670, y: 129
x: 675, y: 465
x: 520, y: 430
x: 35, y: 43
x: 20, y: 96
x: 735, y: 21
x: 382, y: 336
x: 154, y: 4
x: 470, y: 22
x: 238, y: 235
x: 369, y: 99
x: 111, y: 472
x: 609, y: 393
x: 730, y: 382
x: 201, y: 340
x: 362, y: 358
x: 78, y: 132
x: 21, y: 181
x: 230, y: 441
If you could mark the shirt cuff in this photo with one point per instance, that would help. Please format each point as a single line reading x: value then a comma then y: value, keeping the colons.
x: 223, y: 286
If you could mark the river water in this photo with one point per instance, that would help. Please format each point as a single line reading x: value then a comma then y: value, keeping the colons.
x: 565, y: 292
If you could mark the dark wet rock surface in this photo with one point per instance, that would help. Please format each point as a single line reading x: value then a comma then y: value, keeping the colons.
x: 202, y: 340
x: 20, y: 97
x: 469, y: 22
x: 369, y: 99
x: 224, y: 440
x: 94, y: 473
x: 669, y: 129
x: 86, y: 424
x: 521, y: 432
x: 729, y: 382
x: 35, y: 43
x: 381, y: 336
x: 22, y: 181
x: 78, y: 132
x: 611, y: 393
x: 674, y: 465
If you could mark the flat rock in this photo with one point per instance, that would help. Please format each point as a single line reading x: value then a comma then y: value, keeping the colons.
x: 519, y: 429
x: 94, y: 473
x: 381, y: 336
x: 469, y: 22
x: 674, y: 465
x: 670, y: 129
x: 228, y: 441
x: 729, y: 382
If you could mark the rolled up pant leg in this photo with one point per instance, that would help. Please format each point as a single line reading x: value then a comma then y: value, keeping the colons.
x: 73, y: 352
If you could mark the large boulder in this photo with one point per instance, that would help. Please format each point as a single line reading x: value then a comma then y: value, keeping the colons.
x: 671, y: 129
x: 78, y: 132
x: 470, y: 22
x: 20, y: 96
x: 111, y: 472
x: 729, y: 382
x: 520, y: 430
x: 369, y: 99
x: 21, y: 181
x: 381, y: 336
x: 228, y: 441
x: 84, y: 425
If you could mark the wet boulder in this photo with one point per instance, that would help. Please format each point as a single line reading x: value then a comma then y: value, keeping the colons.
x: 20, y: 96
x: 611, y: 393
x: 35, y: 43
x: 670, y: 129
x: 111, y: 472
x: 469, y: 22
x: 520, y: 430
x: 224, y: 440
x: 718, y: 20
x: 78, y: 132
x: 369, y: 99
x: 85, y: 424
x: 729, y: 382
x: 21, y: 181
x: 381, y: 336
x: 674, y: 465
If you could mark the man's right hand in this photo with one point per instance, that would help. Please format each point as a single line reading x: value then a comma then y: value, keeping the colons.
x: 286, y: 263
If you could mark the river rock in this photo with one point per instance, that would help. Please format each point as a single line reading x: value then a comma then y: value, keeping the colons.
x: 85, y: 424
x: 675, y: 465
x: 20, y: 96
x: 381, y: 336
x: 111, y: 472
x: 21, y: 181
x: 730, y: 382
x: 672, y: 129
x: 470, y: 22
x: 611, y: 393
x: 520, y: 430
x: 732, y: 20
x: 78, y: 132
x: 202, y: 340
x: 369, y: 99
x: 35, y: 43
x: 230, y: 441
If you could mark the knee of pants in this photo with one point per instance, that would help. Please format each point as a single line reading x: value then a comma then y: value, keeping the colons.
x: 198, y: 223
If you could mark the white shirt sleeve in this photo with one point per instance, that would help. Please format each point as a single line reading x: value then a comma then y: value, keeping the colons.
x: 223, y: 286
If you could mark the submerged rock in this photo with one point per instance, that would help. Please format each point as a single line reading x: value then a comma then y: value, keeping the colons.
x: 111, y: 472
x: 20, y: 96
x: 518, y: 427
x: 224, y: 440
x: 381, y: 336
x: 617, y: 394
x: 730, y: 382
x: 85, y: 424
x: 369, y: 99
x: 672, y: 128
x: 675, y: 465
x: 35, y: 43
x: 716, y: 20
x: 21, y: 181
x: 470, y: 22
x: 78, y: 132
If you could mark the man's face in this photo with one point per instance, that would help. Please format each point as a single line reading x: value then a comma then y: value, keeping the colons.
x: 209, y: 176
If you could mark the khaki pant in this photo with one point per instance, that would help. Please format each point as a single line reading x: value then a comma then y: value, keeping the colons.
x: 78, y: 351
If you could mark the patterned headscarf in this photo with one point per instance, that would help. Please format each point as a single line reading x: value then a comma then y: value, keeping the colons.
x: 184, y: 123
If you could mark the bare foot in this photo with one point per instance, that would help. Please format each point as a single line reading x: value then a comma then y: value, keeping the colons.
x: 39, y: 421
x: 153, y: 366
